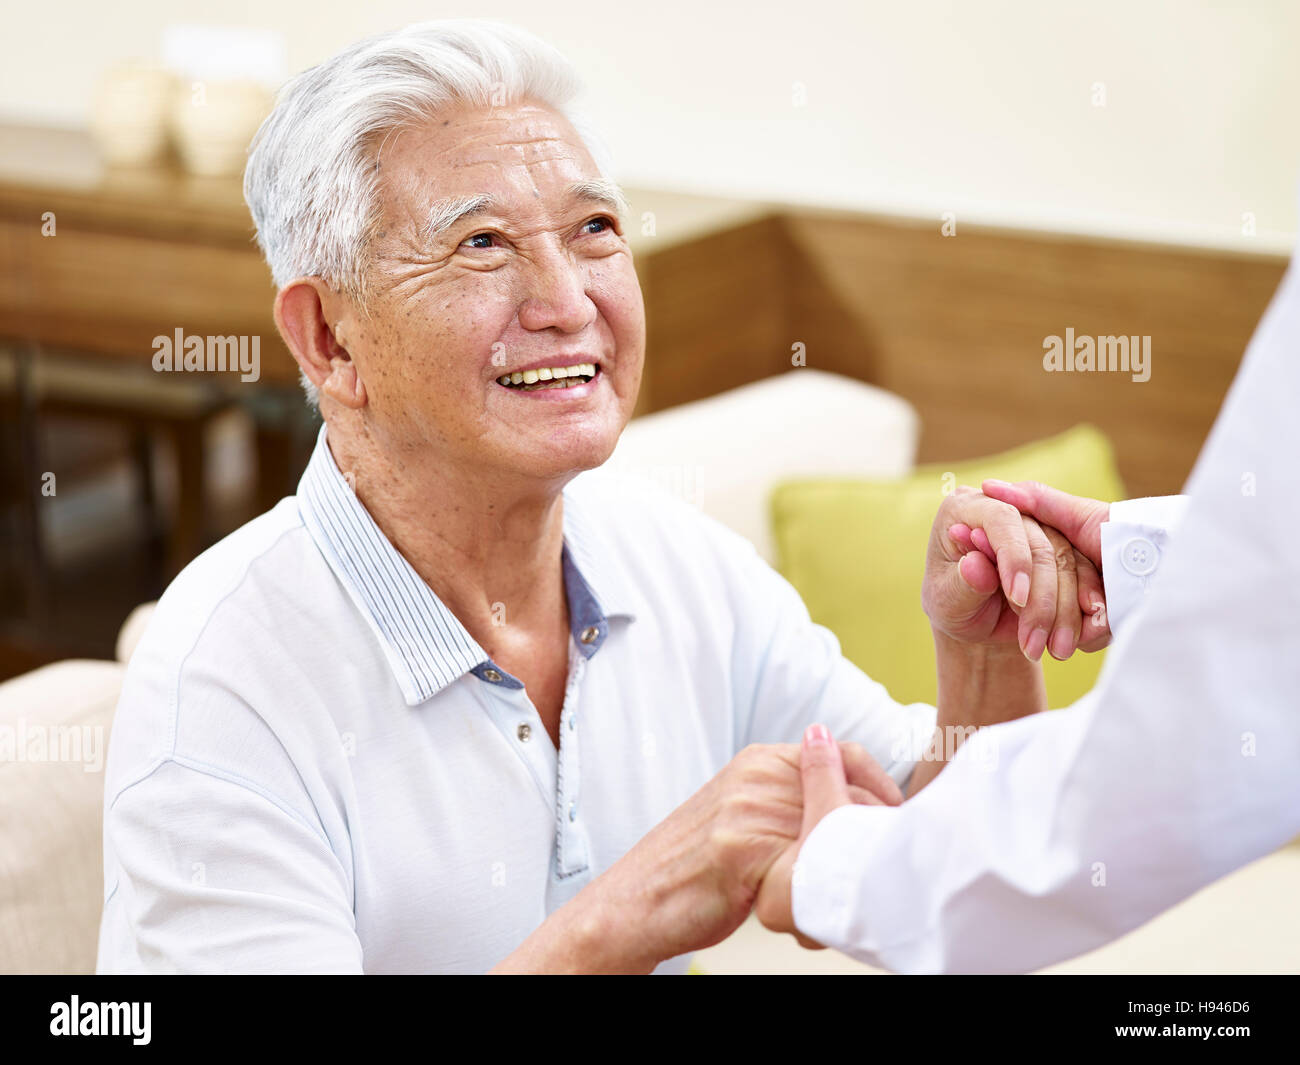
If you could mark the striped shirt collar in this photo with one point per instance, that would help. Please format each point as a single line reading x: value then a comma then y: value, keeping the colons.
x: 426, y: 645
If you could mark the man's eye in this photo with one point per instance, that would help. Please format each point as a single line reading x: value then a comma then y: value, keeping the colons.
x: 480, y: 236
x: 604, y: 221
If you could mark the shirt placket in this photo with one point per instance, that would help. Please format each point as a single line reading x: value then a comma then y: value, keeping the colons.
x: 572, y: 850
x: 556, y: 772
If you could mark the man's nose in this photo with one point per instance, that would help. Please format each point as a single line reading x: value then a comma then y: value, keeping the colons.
x: 556, y: 295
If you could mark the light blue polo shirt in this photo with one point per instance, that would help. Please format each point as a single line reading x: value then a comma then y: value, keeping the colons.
x: 315, y: 768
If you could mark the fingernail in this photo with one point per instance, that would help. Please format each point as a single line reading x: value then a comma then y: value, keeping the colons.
x: 1020, y: 589
x: 1035, y: 644
x: 1062, y: 644
x: 960, y: 574
x: 995, y: 481
x: 817, y: 735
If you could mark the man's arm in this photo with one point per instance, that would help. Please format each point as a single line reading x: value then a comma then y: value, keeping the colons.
x: 207, y: 875
x: 212, y: 874
x: 790, y: 672
x: 1000, y: 588
x: 979, y: 685
x: 692, y: 880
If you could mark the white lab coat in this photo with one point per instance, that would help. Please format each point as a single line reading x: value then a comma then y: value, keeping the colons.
x: 1051, y: 835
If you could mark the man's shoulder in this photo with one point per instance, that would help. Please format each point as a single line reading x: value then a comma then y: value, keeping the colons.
x: 645, y: 509
x: 665, y: 549
x: 238, y: 593
x: 265, y: 547
x: 223, y: 623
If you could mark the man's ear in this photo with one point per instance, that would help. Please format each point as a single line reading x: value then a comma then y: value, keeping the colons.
x: 303, y: 313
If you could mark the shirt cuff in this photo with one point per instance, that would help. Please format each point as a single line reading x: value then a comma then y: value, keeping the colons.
x: 826, y: 882
x: 1133, y: 542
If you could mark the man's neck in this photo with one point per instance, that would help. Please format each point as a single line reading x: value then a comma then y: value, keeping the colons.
x: 489, y: 547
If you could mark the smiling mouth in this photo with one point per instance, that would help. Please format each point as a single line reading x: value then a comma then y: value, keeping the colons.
x: 550, y: 377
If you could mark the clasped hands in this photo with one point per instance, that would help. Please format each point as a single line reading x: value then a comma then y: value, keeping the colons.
x: 1010, y: 572
x: 1017, y: 562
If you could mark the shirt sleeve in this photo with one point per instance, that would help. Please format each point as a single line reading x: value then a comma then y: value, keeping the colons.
x: 215, y: 877
x: 791, y: 673
x: 1053, y: 834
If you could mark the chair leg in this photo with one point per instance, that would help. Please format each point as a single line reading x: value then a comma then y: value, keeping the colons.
x: 147, y: 486
x: 13, y: 535
x: 187, y: 533
x: 36, y: 574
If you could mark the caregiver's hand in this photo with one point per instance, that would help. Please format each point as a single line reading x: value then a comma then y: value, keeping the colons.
x: 1079, y: 519
x: 821, y: 770
x: 996, y: 576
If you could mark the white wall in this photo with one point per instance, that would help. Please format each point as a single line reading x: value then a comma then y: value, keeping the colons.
x: 913, y: 106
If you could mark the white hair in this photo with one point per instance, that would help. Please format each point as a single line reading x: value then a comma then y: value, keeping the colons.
x: 312, y: 181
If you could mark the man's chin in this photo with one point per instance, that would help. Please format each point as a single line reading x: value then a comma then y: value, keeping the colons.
x: 568, y: 456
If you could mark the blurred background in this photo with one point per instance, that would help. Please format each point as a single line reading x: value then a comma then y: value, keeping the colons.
x: 856, y: 224
x: 825, y: 174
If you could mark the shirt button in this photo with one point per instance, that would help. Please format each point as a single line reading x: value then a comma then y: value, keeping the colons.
x: 573, y: 811
x: 492, y: 675
x: 590, y: 633
x: 523, y: 732
x: 1140, y: 556
x: 571, y: 722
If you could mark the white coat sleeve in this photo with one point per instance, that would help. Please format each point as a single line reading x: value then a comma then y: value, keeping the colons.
x: 1051, y: 835
x: 1133, y: 544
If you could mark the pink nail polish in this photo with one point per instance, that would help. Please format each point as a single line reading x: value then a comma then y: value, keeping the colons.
x: 816, y: 735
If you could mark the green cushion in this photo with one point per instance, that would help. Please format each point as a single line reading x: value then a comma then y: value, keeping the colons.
x: 855, y: 551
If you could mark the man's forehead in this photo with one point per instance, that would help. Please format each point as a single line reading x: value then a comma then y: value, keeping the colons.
x: 466, y: 162
x: 463, y: 139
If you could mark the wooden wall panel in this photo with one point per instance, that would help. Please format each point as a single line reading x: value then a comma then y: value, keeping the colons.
x: 716, y: 313
x: 112, y: 293
x: 957, y: 326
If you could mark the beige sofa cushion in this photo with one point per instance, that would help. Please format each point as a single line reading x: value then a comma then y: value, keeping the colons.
x: 54, y: 729
x: 726, y: 452
x: 132, y: 629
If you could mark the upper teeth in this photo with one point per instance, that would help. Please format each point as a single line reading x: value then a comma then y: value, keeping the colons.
x: 548, y: 373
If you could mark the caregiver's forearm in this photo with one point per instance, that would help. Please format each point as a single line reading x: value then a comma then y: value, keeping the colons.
x: 978, y: 685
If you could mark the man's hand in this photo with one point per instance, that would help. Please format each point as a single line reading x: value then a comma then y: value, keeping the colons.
x: 824, y: 789
x: 696, y: 875
x: 997, y: 577
x: 692, y: 880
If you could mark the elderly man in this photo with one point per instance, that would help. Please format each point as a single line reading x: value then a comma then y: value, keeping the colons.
x: 453, y: 707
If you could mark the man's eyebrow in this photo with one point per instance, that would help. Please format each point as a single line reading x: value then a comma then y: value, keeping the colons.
x: 600, y: 191
x: 446, y: 214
